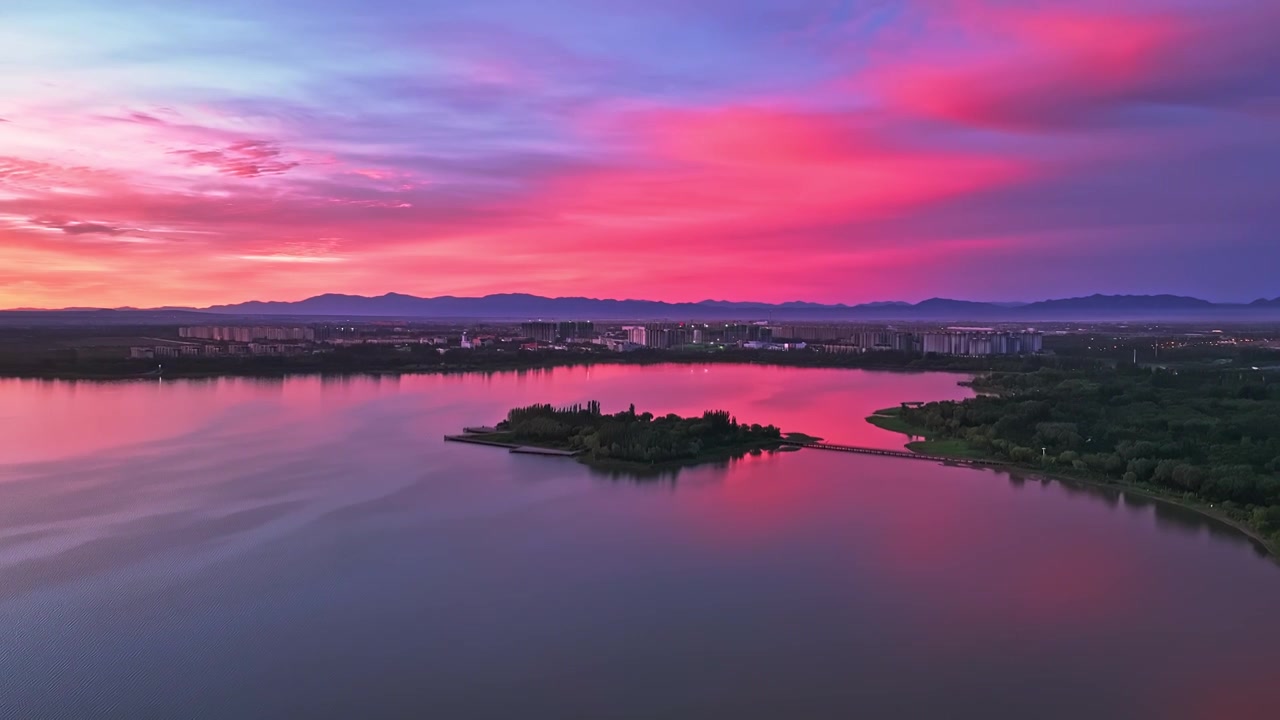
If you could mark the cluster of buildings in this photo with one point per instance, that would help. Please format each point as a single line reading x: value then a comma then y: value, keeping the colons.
x: 223, y: 341
x: 674, y: 335
x: 549, y: 332
x: 980, y: 342
x: 661, y: 335
x: 770, y: 345
x: 811, y: 333
x: 960, y: 342
x: 244, y: 334
x: 731, y: 333
x: 176, y: 350
x: 957, y: 341
x: 472, y: 343
x: 243, y: 340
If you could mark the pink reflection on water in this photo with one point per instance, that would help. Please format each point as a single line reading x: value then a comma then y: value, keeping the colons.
x: 49, y: 420
x: 958, y: 574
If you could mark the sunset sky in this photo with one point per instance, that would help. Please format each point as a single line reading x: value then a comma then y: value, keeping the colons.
x: 155, y: 152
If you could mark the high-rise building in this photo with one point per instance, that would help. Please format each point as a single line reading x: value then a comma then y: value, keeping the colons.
x: 246, y: 334
x: 676, y: 337
x: 659, y: 334
x: 881, y: 339
x: 810, y: 332
x: 980, y: 342
x: 540, y: 331
x: 576, y: 330
x: 667, y: 335
x: 738, y: 332
x: 564, y: 330
x: 1031, y: 342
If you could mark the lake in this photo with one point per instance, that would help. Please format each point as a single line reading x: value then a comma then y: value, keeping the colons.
x: 310, y: 547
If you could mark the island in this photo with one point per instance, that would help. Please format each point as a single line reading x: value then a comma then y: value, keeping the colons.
x: 629, y: 439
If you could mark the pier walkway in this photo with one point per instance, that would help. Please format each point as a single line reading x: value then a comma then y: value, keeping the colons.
x: 477, y: 439
x: 892, y: 453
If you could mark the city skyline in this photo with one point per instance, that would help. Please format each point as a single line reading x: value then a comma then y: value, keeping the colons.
x: 764, y: 151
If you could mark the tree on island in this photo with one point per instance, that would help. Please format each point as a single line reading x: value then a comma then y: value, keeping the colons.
x: 630, y: 437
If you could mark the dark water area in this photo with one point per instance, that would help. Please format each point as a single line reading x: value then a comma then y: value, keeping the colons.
x: 241, y: 548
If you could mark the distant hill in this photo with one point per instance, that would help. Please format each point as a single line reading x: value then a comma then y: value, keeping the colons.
x: 519, y: 306
x: 524, y: 306
x: 1122, y: 303
x: 945, y: 307
x: 79, y: 317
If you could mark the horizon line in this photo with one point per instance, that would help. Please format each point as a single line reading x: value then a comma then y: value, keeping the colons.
x: 1004, y: 304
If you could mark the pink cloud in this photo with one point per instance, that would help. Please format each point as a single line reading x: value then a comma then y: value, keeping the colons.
x: 711, y: 177
x: 1027, y: 69
x: 764, y: 185
x: 243, y: 158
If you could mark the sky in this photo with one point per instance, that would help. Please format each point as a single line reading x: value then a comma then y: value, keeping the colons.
x: 157, y: 153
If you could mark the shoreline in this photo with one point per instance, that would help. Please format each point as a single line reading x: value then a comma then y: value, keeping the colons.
x: 776, y: 359
x: 886, y: 419
x: 1272, y: 549
x: 503, y: 441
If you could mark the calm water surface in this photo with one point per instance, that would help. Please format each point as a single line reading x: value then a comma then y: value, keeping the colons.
x: 241, y: 548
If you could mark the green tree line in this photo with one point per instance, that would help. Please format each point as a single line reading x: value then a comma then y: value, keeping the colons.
x: 631, y: 437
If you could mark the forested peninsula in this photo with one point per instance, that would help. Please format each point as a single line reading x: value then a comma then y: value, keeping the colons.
x: 1207, y: 437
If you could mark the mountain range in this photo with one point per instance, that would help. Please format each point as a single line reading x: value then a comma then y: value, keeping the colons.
x: 522, y: 306
x: 516, y: 306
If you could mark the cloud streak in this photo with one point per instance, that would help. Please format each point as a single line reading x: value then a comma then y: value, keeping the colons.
x: 245, y: 158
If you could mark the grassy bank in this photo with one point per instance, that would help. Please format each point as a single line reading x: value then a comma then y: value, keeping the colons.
x: 801, y: 437
x: 891, y: 419
x: 926, y: 443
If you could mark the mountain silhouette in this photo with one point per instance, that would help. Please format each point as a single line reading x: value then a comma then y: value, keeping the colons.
x: 522, y: 306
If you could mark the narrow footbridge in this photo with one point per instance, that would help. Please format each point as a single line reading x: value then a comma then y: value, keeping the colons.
x: 892, y: 453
